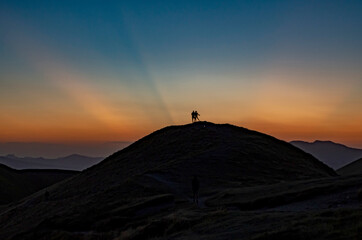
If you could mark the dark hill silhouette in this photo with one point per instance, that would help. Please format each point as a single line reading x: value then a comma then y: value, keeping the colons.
x: 16, y: 184
x: 154, y: 174
x: 352, y: 168
x: 333, y: 154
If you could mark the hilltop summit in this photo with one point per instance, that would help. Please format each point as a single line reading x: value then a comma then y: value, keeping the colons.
x: 217, y: 152
x: 158, y: 169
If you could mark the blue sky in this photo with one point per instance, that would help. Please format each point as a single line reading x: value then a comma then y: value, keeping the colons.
x: 218, y: 32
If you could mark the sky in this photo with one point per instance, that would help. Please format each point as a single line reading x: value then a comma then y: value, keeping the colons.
x: 115, y: 71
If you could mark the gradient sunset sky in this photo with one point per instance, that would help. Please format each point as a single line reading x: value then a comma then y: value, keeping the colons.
x: 82, y: 71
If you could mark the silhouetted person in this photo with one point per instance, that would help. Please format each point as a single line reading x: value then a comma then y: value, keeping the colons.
x: 197, y: 116
x: 195, y: 189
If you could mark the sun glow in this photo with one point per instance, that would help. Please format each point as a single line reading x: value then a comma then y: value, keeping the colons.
x: 60, y: 102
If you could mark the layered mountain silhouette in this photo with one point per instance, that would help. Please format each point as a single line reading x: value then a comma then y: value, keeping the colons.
x: 55, y: 150
x: 352, y: 168
x: 72, y: 162
x: 16, y: 184
x: 333, y: 154
x: 152, y: 177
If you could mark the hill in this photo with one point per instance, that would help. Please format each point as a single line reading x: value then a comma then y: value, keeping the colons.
x: 352, y: 168
x: 72, y: 162
x: 141, y: 185
x: 16, y: 184
x: 333, y: 154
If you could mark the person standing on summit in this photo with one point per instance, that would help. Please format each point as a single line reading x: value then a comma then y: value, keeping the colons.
x: 195, y: 116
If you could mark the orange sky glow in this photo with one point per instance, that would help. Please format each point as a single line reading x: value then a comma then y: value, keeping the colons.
x: 60, y: 102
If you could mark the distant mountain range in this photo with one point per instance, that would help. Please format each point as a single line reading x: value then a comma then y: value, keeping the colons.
x: 72, y: 162
x: 54, y: 150
x: 333, y: 154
